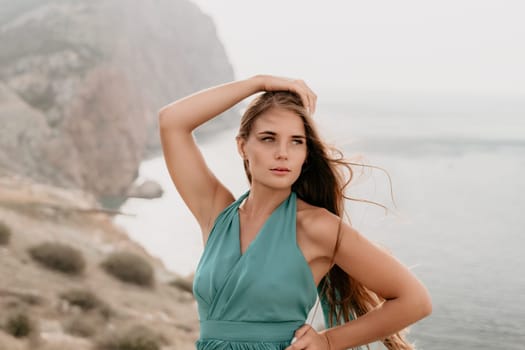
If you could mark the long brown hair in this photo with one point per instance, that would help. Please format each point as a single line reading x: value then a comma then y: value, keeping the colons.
x: 322, y: 183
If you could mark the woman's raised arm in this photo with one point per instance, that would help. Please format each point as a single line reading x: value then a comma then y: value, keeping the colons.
x: 202, y: 192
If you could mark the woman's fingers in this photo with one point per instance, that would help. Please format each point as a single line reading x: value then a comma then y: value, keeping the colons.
x: 299, y: 87
x: 301, y: 339
x: 306, y: 102
x: 302, y: 330
x: 308, y: 97
x: 303, y: 95
x: 297, y: 342
x: 311, y: 97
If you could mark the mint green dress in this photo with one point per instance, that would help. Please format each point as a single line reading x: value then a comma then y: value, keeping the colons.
x: 255, y: 300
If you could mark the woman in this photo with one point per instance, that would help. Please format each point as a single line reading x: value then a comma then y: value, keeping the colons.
x: 268, y: 253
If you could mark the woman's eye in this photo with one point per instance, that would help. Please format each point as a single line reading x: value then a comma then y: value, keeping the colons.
x: 297, y: 142
x: 267, y: 139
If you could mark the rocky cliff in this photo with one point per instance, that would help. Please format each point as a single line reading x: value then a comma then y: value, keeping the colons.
x: 81, y: 83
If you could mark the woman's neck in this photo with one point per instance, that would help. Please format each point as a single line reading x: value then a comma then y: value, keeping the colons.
x: 263, y: 200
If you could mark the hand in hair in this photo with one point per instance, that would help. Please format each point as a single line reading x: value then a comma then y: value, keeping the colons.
x: 273, y: 83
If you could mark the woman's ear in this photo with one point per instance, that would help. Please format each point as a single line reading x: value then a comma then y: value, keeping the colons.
x: 240, y: 146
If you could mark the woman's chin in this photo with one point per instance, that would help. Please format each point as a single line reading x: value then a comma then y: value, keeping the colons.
x: 277, y: 185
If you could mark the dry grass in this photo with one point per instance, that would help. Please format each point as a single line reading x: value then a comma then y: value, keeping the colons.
x: 87, y: 301
x: 5, y: 234
x: 19, y: 323
x: 129, y: 267
x: 58, y: 256
x: 135, y: 337
x: 182, y: 284
x: 85, y: 325
x: 164, y: 309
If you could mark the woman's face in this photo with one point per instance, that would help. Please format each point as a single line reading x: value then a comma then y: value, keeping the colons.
x: 275, y: 149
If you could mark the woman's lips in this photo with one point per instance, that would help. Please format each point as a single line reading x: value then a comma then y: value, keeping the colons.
x: 280, y: 171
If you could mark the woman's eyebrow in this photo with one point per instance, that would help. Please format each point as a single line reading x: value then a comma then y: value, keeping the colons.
x: 273, y: 133
x: 267, y: 132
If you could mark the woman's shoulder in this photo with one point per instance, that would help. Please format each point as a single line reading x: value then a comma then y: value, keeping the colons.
x: 311, y: 214
x: 318, y: 224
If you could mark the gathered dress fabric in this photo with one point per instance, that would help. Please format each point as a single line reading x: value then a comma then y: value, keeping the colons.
x: 255, y: 300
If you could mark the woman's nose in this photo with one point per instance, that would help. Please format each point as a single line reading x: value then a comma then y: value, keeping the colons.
x: 282, y: 151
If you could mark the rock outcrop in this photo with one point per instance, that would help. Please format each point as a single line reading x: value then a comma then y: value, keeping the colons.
x: 81, y: 83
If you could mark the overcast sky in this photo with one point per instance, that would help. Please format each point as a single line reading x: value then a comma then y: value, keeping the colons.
x: 472, y: 46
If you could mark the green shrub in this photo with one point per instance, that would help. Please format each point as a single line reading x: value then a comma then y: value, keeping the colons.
x: 130, y: 268
x: 87, y: 301
x: 136, y: 337
x: 19, y: 324
x: 59, y: 256
x: 5, y: 233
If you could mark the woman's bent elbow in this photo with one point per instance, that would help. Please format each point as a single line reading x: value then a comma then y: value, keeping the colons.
x: 161, y: 114
x: 424, y: 304
x: 167, y: 119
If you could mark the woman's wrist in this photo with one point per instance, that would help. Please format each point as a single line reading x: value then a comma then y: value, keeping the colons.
x: 327, y: 339
x: 258, y: 81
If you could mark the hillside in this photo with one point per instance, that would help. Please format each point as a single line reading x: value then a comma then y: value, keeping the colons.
x: 35, y: 213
